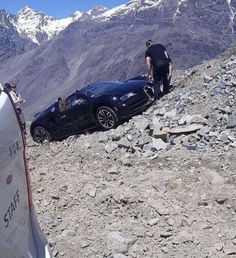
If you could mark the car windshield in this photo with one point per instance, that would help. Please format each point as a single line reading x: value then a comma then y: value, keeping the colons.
x: 101, y: 88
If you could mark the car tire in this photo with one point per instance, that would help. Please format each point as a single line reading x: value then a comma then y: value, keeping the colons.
x: 106, y: 118
x: 40, y: 135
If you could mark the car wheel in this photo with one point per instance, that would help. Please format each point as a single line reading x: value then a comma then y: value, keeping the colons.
x: 40, y: 135
x: 106, y: 118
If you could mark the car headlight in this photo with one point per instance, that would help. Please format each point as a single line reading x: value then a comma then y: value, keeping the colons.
x: 127, y: 96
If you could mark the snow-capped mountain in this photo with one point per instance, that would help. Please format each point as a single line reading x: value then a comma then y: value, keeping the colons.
x: 96, y: 11
x: 11, y: 42
x: 40, y: 27
x: 131, y: 6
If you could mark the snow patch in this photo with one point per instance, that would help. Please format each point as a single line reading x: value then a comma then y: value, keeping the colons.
x: 177, y: 10
x: 131, y: 6
x: 232, y: 16
x: 31, y: 24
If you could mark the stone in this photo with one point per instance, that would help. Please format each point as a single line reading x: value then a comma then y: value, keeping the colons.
x: 186, y: 119
x: 185, y: 129
x: 143, y: 141
x: 215, y: 91
x: 142, y: 124
x: 203, y: 131
x: 113, y: 170
x: 86, y: 145
x: 161, y: 111
x: 178, y: 140
x: 92, y: 191
x: 231, y: 138
x: 198, y: 119
x: 148, y: 154
x: 160, y: 134
x: 231, y: 121
x: 207, y: 78
x: 155, y: 156
x: 171, y: 114
x: 166, y: 234
x: 153, y: 222
x: 103, y: 138
x: 116, y: 134
x: 218, y: 246
x: 213, y: 134
x: 170, y: 222
x: 125, y: 161
x: 159, y: 207
x: 117, y: 243
x: 161, y: 188
x: 215, y: 178
x: 165, y: 250
x: 159, y: 144
x: 129, y: 137
x: 230, y: 250
x: 184, y: 237
x: 214, y: 118
x: 189, y: 146
x: 120, y: 256
x: 156, y: 123
x: 85, y: 244
x: 233, y: 144
x: 109, y: 148
x: 124, y: 143
x: 221, y: 199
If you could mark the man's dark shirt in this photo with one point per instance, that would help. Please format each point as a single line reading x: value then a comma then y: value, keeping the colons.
x: 157, y: 53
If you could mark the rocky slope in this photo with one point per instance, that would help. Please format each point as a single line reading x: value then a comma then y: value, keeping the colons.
x: 111, y: 46
x: 161, y: 185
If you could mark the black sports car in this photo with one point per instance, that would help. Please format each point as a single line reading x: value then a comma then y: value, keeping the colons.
x: 102, y: 104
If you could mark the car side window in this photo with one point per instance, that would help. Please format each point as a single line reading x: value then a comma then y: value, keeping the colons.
x: 70, y: 102
x: 75, y: 100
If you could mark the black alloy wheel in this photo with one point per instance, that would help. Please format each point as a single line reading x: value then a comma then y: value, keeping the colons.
x: 106, y: 118
x: 40, y: 135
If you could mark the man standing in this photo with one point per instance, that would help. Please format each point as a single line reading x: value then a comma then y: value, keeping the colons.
x: 159, y: 67
x: 17, y: 100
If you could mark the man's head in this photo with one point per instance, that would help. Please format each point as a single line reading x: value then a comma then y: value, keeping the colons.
x: 149, y: 43
x: 10, y: 86
x: 13, y: 86
x: 59, y: 99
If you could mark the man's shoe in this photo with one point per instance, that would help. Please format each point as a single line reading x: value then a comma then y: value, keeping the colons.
x: 171, y: 87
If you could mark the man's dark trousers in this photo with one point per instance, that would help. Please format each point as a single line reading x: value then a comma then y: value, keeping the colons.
x: 160, y: 74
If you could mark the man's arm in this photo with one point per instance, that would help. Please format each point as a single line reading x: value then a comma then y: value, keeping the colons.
x: 149, y: 67
x: 170, y: 64
x: 170, y: 69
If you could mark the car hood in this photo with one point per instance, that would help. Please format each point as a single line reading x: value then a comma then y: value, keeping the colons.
x: 102, y: 88
x: 46, y: 110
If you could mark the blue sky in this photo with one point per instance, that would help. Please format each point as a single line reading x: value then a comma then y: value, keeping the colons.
x: 57, y: 8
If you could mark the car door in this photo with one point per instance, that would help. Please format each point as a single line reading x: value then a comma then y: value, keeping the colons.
x: 81, y: 109
x: 64, y: 121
